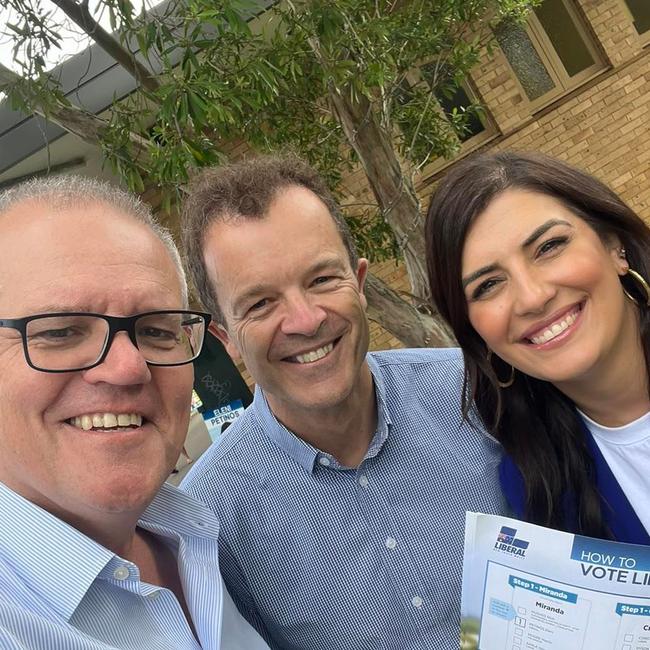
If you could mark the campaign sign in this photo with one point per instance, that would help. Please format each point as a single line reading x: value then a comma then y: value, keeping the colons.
x: 221, y: 418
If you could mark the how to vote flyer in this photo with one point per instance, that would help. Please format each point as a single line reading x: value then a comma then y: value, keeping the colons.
x: 527, y: 587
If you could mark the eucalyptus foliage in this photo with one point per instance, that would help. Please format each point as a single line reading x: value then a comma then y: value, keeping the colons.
x: 234, y: 70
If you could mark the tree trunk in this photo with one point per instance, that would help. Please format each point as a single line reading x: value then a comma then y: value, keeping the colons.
x: 396, y: 197
x: 401, y: 319
x: 392, y: 188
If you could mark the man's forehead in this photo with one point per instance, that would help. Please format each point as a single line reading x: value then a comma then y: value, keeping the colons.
x: 64, y: 220
x: 28, y: 218
x: 295, y: 210
x: 67, y: 258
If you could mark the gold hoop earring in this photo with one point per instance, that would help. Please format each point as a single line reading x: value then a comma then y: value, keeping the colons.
x: 640, y: 282
x: 501, y: 384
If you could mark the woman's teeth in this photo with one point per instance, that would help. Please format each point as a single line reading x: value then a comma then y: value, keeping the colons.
x: 106, y: 421
x: 556, y: 329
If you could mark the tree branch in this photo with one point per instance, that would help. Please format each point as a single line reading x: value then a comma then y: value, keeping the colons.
x: 80, y: 14
x: 387, y: 308
x: 87, y: 126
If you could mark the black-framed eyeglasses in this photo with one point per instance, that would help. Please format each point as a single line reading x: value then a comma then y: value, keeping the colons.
x: 71, y: 341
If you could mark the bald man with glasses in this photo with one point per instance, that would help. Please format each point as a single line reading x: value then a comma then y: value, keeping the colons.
x: 96, y: 345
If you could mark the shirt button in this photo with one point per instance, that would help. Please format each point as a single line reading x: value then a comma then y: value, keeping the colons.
x: 417, y: 601
x: 121, y: 573
x: 391, y: 542
x: 363, y: 481
x: 324, y: 461
x: 153, y: 595
x: 198, y: 523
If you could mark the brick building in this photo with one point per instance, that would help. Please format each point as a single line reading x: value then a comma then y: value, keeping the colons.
x: 573, y: 83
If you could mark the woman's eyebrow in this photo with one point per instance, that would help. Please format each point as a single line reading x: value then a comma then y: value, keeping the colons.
x: 477, y: 274
x: 538, y: 232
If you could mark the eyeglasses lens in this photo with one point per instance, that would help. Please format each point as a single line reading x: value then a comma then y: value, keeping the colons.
x: 67, y: 342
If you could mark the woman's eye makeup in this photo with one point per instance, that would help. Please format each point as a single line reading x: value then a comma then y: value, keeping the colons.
x: 551, y: 245
x: 484, y: 288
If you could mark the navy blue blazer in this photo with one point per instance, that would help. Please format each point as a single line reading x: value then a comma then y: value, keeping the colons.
x: 618, y: 514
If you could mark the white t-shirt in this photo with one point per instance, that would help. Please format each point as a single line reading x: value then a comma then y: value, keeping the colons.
x: 626, y: 450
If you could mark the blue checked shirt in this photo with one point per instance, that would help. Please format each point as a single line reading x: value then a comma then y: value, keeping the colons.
x: 323, y: 557
x: 60, y: 590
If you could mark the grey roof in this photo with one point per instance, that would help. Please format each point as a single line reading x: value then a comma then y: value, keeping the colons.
x: 91, y: 80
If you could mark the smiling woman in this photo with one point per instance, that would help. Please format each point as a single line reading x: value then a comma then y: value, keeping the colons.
x: 539, y: 269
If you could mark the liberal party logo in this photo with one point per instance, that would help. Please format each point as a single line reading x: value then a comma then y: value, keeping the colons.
x: 507, y: 542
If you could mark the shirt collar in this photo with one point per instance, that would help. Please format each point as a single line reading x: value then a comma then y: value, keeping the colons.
x: 301, y: 451
x: 383, y: 414
x: 47, y: 552
x: 174, y: 512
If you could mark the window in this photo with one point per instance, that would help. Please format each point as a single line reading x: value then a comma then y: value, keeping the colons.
x: 451, y: 97
x: 551, y: 53
x: 640, y: 10
x: 457, y: 98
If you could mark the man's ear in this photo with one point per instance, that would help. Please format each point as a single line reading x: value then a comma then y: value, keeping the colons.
x: 362, y: 273
x: 222, y: 334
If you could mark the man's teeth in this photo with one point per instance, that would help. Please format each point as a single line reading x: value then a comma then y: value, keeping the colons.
x: 556, y: 329
x: 106, y: 421
x: 315, y: 355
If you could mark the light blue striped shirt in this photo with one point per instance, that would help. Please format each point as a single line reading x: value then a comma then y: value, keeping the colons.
x: 60, y: 590
x: 323, y: 557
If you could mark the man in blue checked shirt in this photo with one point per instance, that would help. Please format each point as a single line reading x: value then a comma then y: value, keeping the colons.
x: 342, y: 490
x: 96, y: 344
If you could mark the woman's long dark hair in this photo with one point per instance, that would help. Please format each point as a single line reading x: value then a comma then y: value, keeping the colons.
x: 537, y: 425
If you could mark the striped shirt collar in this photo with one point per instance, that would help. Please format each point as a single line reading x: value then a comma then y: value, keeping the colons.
x: 173, y: 513
x: 61, y: 554
x: 307, y: 455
